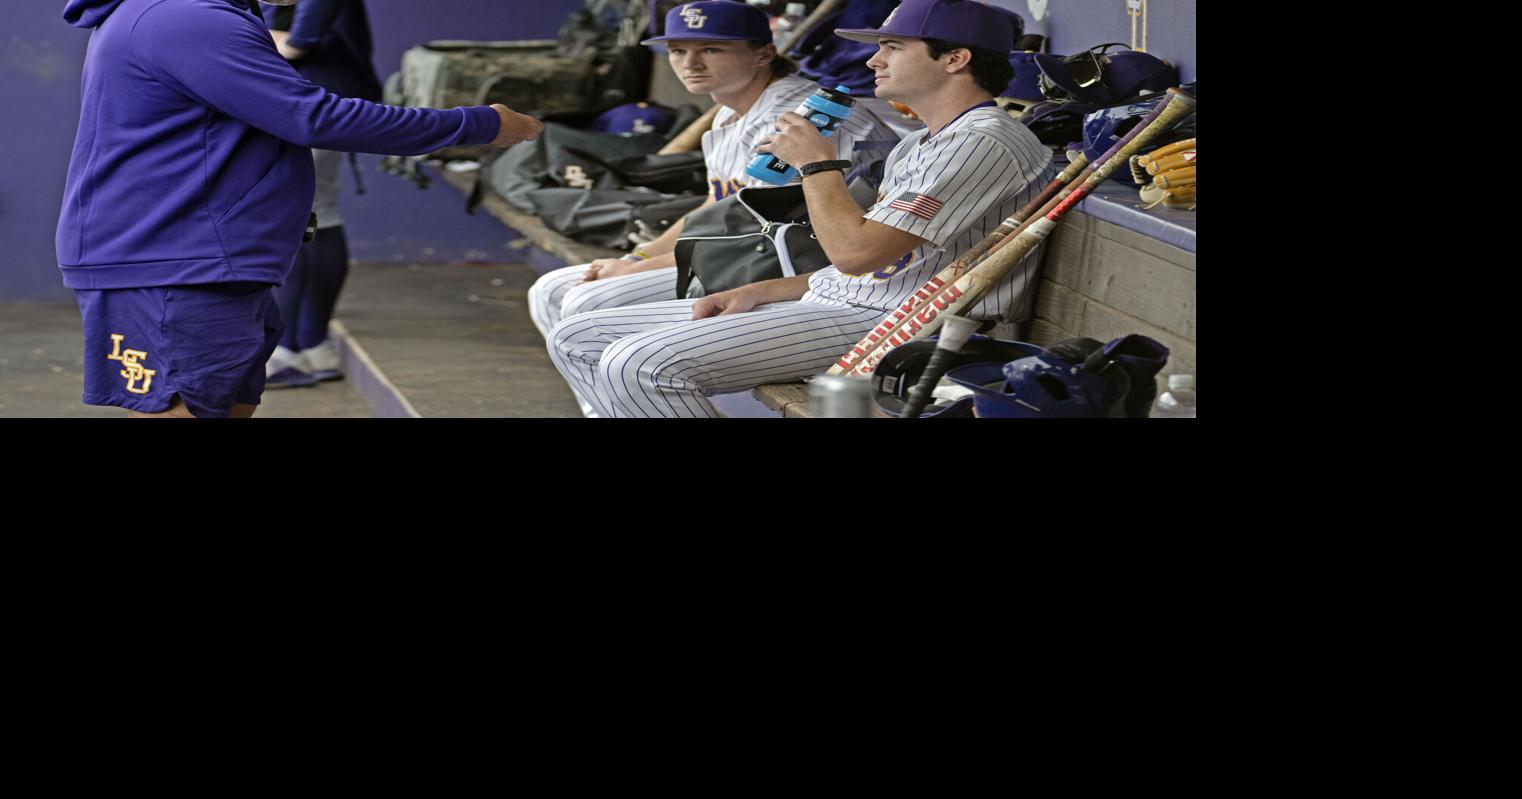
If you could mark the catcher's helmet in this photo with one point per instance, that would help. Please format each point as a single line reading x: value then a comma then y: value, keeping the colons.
x: 1056, y: 384
x: 901, y: 368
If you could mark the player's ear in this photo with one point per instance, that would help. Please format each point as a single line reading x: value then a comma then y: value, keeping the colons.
x: 957, y: 60
x: 765, y: 54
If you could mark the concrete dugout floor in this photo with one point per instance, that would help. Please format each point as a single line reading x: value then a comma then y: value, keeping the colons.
x: 454, y: 340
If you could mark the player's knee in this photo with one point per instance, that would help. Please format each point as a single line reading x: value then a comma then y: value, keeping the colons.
x: 637, y: 360
x: 620, y: 361
x: 543, y: 288
x: 582, y: 299
x: 562, y: 338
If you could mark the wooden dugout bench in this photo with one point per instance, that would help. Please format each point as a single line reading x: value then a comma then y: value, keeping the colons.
x: 1110, y: 268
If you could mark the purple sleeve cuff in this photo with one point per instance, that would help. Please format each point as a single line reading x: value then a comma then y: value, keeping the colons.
x: 481, y: 124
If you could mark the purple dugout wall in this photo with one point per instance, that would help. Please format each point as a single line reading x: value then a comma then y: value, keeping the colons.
x: 40, y: 60
x: 40, y: 57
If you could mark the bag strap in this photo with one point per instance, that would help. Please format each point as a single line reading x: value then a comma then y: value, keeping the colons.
x: 683, y: 268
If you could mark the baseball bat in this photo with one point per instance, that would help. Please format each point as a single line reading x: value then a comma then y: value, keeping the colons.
x: 958, y: 330
x: 691, y: 137
x: 931, y: 293
x: 812, y: 21
x: 1075, y: 170
x: 942, y: 299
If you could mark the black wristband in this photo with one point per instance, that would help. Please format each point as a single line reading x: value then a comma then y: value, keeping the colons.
x: 823, y: 166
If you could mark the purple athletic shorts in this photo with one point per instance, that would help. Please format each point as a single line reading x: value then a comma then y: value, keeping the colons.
x: 206, y: 343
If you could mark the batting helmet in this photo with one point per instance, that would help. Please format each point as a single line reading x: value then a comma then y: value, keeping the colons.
x: 1056, y: 123
x: 901, y: 368
x: 1103, y: 128
x: 1141, y: 358
x: 1099, y: 77
x: 1059, y: 383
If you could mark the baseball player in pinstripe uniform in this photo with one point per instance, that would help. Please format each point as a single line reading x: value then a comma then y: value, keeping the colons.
x: 945, y: 188
x: 724, y: 49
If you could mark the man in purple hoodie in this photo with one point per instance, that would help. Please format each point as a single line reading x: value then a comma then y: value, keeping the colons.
x: 189, y: 190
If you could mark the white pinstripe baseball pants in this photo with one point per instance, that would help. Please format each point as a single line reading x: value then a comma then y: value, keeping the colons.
x: 653, y: 361
x: 556, y: 296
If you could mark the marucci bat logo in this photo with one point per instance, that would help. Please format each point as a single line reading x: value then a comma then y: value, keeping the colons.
x: 917, y: 321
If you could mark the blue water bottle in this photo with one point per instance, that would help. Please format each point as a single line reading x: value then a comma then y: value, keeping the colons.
x: 826, y: 109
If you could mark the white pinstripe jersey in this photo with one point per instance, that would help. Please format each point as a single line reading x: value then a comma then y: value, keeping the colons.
x: 731, y: 143
x: 969, y: 177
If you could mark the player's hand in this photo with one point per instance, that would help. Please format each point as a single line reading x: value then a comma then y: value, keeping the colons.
x: 516, y: 127
x: 604, y: 268
x: 798, y: 142
x: 724, y: 303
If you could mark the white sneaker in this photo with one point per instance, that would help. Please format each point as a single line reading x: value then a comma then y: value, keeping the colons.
x: 323, y: 361
x: 287, y: 369
x: 282, y: 358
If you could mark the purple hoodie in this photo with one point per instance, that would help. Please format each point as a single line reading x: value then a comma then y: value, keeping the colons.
x: 192, y: 161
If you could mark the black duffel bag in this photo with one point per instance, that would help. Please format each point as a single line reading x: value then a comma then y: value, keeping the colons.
x: 755, y: 234
x: 673, y: 173
x: 585, y: 159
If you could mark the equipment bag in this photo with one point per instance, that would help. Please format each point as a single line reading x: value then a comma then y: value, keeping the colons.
x: 527, y: 76
x: 581, y: 159
x: 673, y: 173
x: 757, y: 233
x: 599, y: 217
x: 585, y: 159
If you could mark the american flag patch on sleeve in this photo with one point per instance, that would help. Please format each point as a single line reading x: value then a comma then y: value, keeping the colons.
x: 921, y: 205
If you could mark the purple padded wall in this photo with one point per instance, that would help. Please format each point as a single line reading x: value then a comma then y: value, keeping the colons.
x: 40, y: 57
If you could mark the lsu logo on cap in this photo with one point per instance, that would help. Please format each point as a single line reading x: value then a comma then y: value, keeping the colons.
x: 891, y: 15
x: 134, y: 371
x: 693, y: 17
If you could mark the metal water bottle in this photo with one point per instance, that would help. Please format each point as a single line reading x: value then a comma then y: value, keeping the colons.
x: 825, y: 108
x: 840, y: 397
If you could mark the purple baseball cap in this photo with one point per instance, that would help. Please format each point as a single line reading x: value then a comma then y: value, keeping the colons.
x: 634, y: 118
x: 962, y: 21
x: 1122, y: 74
x: 715, y: 20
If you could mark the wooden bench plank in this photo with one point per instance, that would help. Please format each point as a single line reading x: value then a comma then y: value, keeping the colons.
x: 789, y: 399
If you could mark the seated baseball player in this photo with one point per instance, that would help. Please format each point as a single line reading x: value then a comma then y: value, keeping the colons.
x: 722, y: 48
x: 945, y: 188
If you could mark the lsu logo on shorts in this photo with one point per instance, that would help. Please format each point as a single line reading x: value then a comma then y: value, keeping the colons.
x: 134, y: 371
x: 719, y: 189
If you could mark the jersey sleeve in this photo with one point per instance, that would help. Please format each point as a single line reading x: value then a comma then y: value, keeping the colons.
x: 938, y: 191
x: 222, y: 58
